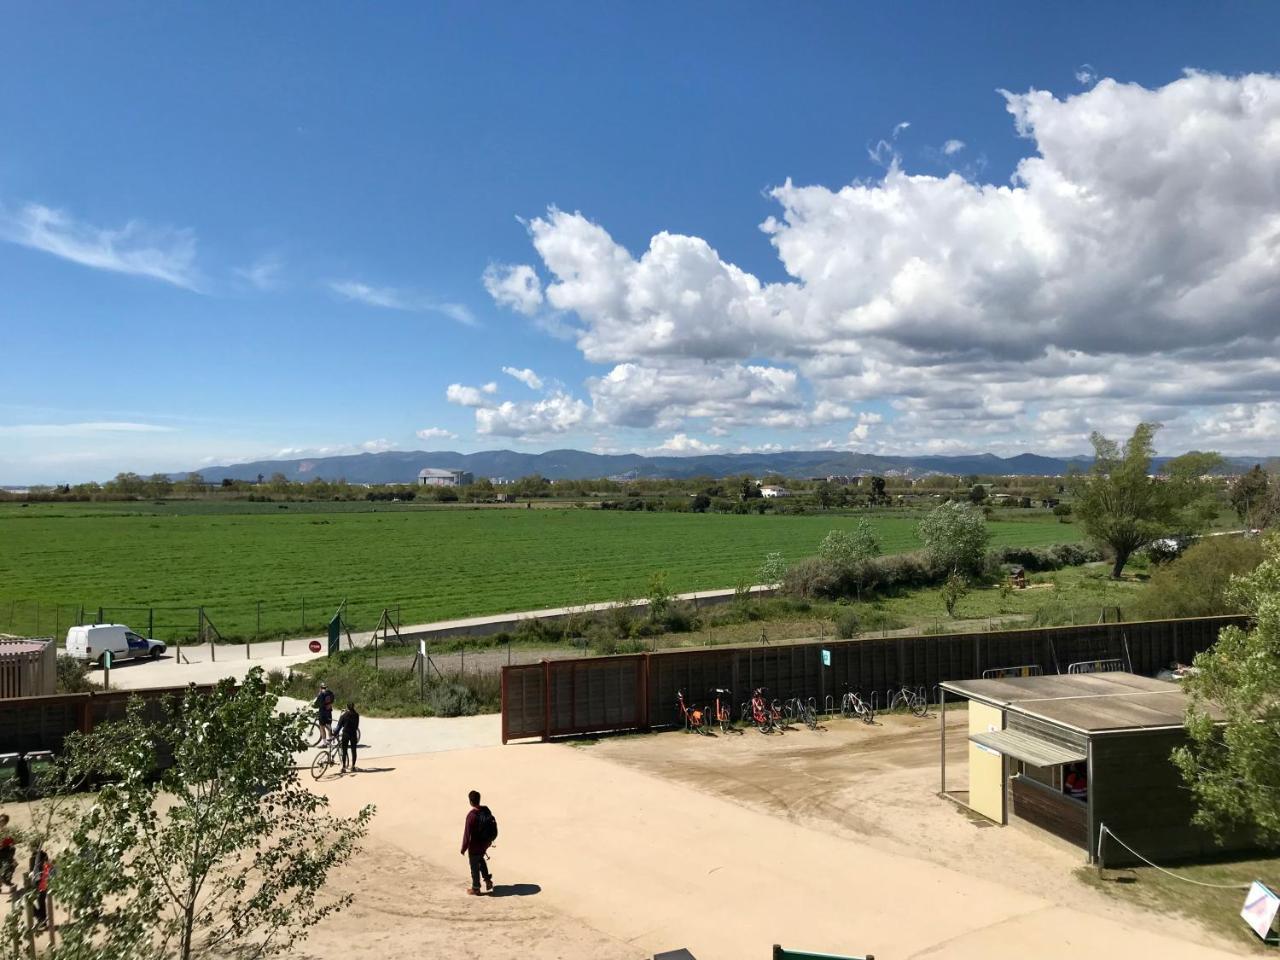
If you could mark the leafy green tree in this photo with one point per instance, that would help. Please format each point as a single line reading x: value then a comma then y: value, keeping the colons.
x: 845, y: 550
x: 977, y: 494
x: 773, y: 569
x: 221, y: 853
x: 824, y: 494
x: 748, y: 489
x: 1234, y: 770
x: 1249, y: 493
x: 877, y: 490
x: 1123, y: 507
x: 159, y: 485
x: 955, y: 535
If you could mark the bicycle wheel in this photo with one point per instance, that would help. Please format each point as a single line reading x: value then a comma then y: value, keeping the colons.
x: 811, y: 718
x: 314, y: 734
x: 919, y: 706
x: 321, y: 764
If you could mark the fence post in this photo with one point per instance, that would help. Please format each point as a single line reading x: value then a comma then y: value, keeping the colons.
x: 304, y: 614
x: 38, y: 605
x: 257, y: 627
x: 151, y: 623
x: 100, y: 617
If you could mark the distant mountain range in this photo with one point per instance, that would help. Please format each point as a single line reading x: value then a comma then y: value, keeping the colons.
x: 398, y: 466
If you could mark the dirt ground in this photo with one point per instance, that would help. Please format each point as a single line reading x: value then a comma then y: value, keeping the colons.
x: 832, y: 841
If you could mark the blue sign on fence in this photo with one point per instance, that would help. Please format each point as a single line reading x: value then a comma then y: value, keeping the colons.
x: 826, y: 658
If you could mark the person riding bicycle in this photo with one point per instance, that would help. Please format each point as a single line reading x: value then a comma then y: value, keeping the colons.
x: 348, y: 734
x: 324, y: 711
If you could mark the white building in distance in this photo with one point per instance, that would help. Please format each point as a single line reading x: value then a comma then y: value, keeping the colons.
x: 771, y: 492
x: 433, y: 477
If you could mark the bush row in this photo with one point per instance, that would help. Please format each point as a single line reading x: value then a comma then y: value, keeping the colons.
x: 815, y: 578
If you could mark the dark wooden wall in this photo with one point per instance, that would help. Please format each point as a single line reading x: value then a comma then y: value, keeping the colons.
x: 1139, y: 794
x: 545, y: 699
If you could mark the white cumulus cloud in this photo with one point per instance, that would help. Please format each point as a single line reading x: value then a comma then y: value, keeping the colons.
x: 436, y: 433
x: 525, y: 376
x: 1131, y: 262
x: 554, y: 414
x: 952, y: 147
x: 683, y: 444
x: 517, y: 287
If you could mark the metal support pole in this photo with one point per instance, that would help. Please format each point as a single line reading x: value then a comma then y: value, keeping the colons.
x: 942, y: 700
x: 151, y: 623
x: 257, y: 628
x: 304, y: 614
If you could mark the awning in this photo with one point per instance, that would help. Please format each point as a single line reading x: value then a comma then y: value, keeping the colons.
x: 1027, y: 748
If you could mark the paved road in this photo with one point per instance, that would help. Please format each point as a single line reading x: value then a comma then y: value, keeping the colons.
x: 208, y: 663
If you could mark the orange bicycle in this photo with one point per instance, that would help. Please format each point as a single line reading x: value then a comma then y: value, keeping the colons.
x: 723, y: 715
x: 692, y: 716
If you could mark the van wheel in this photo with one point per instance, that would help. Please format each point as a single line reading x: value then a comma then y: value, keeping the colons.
x: 155, y: 652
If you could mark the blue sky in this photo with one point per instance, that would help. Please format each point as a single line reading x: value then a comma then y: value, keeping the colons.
x: 236, y: 230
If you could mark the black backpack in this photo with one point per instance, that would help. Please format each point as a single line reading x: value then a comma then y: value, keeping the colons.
x: 486, y: 828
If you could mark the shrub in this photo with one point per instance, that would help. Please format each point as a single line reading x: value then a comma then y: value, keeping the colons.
x: 73, y: 676
x: 448, y: 699
x: 1062, y: 511
x: 846, y: 624
x: 1195, y: 584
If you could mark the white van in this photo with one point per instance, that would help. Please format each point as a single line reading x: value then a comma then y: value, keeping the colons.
x: 90, y: 642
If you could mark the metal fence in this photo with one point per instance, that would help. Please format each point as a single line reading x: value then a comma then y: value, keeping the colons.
x: 563, y: 697
x: 245, y: 621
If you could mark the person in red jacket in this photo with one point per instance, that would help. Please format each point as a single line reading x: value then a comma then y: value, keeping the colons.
x: 478, y: 834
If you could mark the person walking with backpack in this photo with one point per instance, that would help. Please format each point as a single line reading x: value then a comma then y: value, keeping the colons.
x: 478, y: 835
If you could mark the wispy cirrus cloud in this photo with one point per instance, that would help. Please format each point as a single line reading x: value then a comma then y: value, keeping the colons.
x: 262, y: 274
x: 90, y: 428
x: 392, y: 298
x: 161, y: 253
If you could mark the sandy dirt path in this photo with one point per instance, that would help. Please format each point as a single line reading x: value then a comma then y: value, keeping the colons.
x: 657, y: 864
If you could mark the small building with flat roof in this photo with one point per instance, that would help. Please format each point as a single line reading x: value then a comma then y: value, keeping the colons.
x: 1070, y: 753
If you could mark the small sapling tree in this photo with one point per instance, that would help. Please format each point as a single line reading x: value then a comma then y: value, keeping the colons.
x: 222, y: 851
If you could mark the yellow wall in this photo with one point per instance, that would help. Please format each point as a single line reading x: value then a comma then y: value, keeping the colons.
x: 986, y: 769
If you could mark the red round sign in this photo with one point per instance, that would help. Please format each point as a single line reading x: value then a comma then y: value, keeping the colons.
x: 314, y: 646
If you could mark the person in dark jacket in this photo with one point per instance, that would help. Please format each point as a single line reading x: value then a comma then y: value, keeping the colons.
x: 348, y: 734
x: 475, y: 846
x: 40, y: 869
x: 324, y: 711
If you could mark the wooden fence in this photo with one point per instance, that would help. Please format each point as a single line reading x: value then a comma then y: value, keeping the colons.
x: 43, y: 723
x: 600, y: 694
x: 27, y: 668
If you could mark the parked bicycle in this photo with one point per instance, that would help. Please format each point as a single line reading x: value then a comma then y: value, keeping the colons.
x: 325, y: 758
x: 908, y: 699
x: 852, y: 705
x: 762, y: 715
x: 722, y: 710
x: 797, y: 710
x: 691, y: 716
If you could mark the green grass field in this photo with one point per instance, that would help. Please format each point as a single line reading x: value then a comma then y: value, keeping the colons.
x: 435, y: 563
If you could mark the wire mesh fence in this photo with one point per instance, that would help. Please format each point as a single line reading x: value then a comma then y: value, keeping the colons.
x: 245, y: 621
